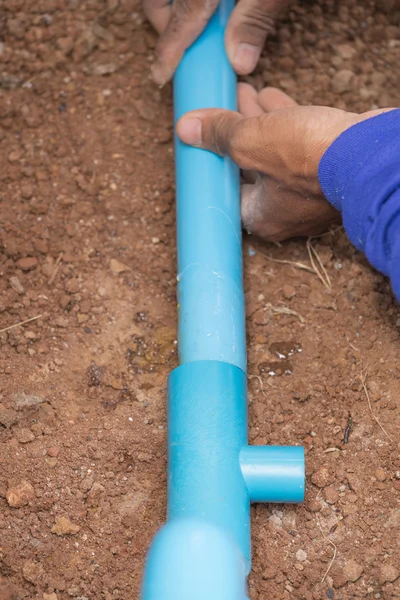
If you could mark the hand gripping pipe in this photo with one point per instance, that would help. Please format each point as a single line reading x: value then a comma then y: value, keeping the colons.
x: 203, y: 551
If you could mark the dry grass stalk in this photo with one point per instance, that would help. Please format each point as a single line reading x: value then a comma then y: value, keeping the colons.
x: 334, y: 554
x: 363, y: 379
x: 285, y: 310
x: 318, y: 266
x: 259, y: 381
x: 292, y: 263
x: 21, y: 323
x: 56, y: 269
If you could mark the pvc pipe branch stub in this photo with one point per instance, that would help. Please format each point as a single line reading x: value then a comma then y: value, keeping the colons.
x: 274, y: 473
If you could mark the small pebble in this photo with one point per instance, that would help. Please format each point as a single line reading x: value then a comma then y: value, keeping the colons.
x: 118, y: 267
x: 380, y: 475
x: 345, y: 51
x: 28, y: 263
x: 14, y: 156
x: 17, y: 285
x: 388, y: 574
x: 22, y: 400
x: 331, y: 495
x: 301, y: 556
x: 64, y: 526
x: 53, y: 451
x: 353, y: 570
x: 341, y: 82
x: 322, y: 477
x: 20, y: 494
x: 24, y: 435
x: 288, y: 291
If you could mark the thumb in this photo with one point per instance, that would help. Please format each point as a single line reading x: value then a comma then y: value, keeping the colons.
x: 225, y: 132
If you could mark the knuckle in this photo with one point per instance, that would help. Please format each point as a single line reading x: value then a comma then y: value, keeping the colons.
x: 256, y: 21
x: 222, y: 133
x: 244, y: 143
x: 186, y: 10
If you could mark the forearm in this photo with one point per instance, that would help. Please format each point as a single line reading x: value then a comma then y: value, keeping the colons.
x: 360, y: 175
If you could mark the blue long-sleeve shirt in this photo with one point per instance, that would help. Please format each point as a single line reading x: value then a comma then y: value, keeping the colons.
x: 360, y: 175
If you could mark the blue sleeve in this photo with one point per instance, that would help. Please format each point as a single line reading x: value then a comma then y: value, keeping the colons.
x: 360, y: 175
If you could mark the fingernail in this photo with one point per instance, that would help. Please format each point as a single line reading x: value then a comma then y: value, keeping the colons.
x: 158, y: 74
x: 189, y: 130
x: 245, y: 58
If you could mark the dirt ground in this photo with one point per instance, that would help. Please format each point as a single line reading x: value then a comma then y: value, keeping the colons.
x: 87, y: 254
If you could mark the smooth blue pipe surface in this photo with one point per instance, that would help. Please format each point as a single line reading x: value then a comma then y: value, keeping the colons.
x: 210, y: 290
x: 207, y: 410
x: 203, y: 552
x: 273, y: 473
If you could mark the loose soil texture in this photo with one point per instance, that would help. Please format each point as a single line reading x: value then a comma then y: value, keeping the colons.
x: 87, y: 259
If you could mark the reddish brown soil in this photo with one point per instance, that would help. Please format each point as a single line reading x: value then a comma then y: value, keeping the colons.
x: 87, y: 248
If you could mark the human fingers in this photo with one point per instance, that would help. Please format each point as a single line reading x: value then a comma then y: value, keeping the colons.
x: 187, y: 20
x: 271, y: 99
x: 225, y: 132
x: 158, y: 13
x: 248, y: 104
x: 250, y: 23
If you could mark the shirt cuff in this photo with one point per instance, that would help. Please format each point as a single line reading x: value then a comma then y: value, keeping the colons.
x: 360, y: 175
x: 352, y: 150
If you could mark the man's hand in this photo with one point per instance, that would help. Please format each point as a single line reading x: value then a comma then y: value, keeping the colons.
x: 278, y: 145
x: 180, y: 23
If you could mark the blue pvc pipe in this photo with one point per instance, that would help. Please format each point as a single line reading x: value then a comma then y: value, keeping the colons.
x: 210, y: 289
x: 212, y: 473
x: 203, y: 552
x: 273, y: 473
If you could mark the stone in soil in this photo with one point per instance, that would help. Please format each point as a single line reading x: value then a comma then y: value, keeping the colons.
x: 301, y: 555
x: 33, y: 571
x: 118, y: 267
x: 53, y: 451
x: 24, y: 435
x: 91, y: 181
x: 8, y: 416
x: 341, y: 82
x: 388, y: 573
x: 23, y: 400
x: 20, y: 494
x: 27, y: 264
x: 17, y: 285
x: 331, y: 494
x: 63, y: 526
x: 352, y: 571
x: 322, y: 477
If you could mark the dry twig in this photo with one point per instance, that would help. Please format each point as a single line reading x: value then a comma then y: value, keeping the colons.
x: 285, y: 310
x: 317, y: 268
x: 320, y: 270
x: 293, y: 263
x: 259, y: 381
x: 363, y: 379
x: 334, y: 554
x: 56, y: 269
x: 329, y: 232
x: 22, y: 323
